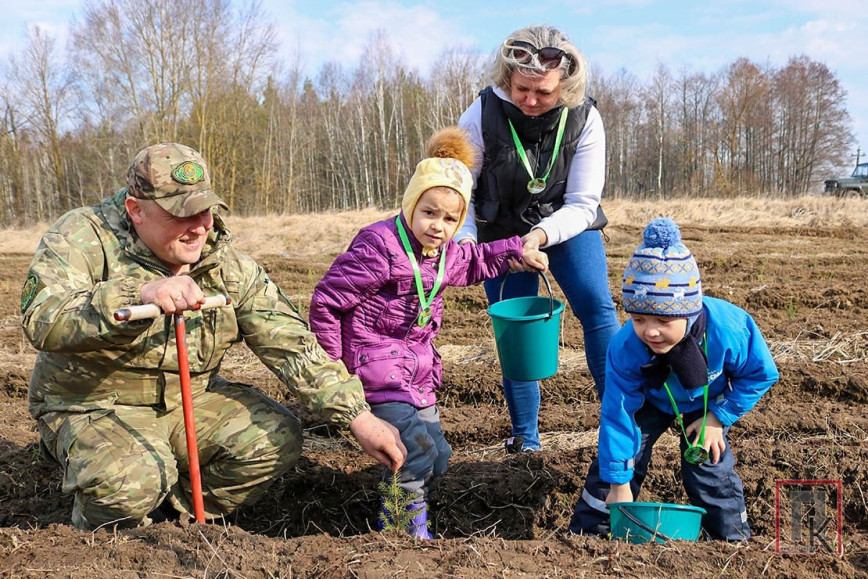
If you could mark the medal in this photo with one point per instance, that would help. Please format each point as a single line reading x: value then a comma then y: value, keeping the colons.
x: 424, y: 317
x: 535, y: 186
x: 695, y: 455
x: 424, y: 301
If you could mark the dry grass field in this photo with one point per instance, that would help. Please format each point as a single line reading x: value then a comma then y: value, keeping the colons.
x: 797, y: 265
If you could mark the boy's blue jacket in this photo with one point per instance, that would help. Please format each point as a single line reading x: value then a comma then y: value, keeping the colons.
x: 740, y: 371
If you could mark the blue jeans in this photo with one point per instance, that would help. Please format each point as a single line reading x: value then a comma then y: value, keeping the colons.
x: 579, y: 266
x: 714, y: 487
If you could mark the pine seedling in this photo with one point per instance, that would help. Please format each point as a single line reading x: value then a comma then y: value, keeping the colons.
x: 394, y: 515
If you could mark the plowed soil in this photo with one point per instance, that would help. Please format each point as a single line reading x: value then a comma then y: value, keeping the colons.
x: 493, y: 514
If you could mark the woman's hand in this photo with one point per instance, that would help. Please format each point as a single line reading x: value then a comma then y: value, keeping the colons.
x: 534, y: 239
x: 713, y: 442
x: 532, y: 259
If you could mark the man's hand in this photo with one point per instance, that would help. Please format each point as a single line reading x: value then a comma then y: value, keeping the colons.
x: 379, y: 439
x: 619, y: 494
x: 173, y: 294
x: 713, y: 442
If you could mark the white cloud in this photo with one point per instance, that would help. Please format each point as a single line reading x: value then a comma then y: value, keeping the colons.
x: 51, y: 16
x: 833, y: 9
x: 342, y: 33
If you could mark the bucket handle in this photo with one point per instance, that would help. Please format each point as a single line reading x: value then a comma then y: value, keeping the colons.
x: 548, y: 286
x: 635, y: 520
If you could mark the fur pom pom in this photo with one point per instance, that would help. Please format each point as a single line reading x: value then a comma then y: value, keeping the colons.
x: 453, y: 143
x: 661, y: 232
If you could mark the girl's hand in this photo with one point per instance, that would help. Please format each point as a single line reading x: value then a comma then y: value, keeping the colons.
x: 714, y: 442
x: 533, y: 260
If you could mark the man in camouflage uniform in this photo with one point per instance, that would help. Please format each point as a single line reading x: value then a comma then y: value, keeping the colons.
x: 106, y: 394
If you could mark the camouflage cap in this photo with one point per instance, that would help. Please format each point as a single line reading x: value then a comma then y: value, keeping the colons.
x: 176, y: 177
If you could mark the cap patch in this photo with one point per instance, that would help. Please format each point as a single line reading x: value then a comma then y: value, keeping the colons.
x: 188, y: 173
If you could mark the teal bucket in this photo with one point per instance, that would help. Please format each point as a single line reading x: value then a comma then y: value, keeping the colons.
x: 655, y: 522
x: 527, y: 334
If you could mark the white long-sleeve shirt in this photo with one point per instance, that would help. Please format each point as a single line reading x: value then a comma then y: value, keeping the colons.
x: 584, y: 181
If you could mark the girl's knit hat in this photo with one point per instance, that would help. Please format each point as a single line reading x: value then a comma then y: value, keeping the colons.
x: 662, y: 278
x: 450, y: 156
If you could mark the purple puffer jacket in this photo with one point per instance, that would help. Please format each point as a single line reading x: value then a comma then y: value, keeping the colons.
x: 364, y: 310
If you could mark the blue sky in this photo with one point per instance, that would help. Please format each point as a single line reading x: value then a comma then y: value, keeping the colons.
x: 634, y: 35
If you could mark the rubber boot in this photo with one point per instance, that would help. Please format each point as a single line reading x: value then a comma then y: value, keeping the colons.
x: 419, y: 525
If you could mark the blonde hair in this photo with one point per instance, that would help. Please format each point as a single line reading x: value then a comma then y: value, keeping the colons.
x: 574, y: 68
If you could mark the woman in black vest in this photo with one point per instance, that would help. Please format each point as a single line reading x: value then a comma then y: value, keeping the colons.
x: 542, y: 176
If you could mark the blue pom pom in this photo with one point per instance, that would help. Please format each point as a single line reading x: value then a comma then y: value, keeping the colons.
x: 661, y: 232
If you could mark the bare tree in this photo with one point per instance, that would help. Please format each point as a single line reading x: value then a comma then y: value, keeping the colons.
x: 744, y: 93
x: 186, y: 70
x: 233, y: 60
x: 41, y: 85
x: 144, y: 47
x: 618, y: 102
x: 695, y: 119
x: 11, y: 174
x: 658, y: 98
x: 206, y: 72
x: 813, y: 122
x: 455, y: 81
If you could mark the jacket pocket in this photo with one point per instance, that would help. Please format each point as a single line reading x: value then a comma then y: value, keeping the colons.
x: 381, y: 367
x: 436, y: 369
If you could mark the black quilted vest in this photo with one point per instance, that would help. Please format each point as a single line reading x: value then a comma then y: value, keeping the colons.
x: 503, y: 205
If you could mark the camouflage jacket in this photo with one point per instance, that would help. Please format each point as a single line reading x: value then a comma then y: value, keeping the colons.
x: 91, y: 263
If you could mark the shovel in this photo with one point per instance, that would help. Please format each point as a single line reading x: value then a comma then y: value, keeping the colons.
x: 149, y: 311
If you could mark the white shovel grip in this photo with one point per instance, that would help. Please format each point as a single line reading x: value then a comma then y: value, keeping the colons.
x: 147, y: 311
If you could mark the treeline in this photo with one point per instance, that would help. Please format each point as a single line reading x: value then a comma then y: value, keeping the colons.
x: 209, y: 73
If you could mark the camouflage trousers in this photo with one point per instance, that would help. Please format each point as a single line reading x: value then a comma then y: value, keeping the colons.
x: 123, y: 462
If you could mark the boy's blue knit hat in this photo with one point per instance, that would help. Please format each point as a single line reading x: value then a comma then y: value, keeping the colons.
x: 662, y: 278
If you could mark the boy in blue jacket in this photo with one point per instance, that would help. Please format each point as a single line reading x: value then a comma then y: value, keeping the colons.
x: 680, y: 357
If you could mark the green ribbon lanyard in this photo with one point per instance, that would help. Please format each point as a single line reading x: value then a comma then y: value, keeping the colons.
x: 694, y: 454
x: 538, y: 184
x: 425, y: 312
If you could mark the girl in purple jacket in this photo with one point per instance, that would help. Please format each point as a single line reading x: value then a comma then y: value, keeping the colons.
x: 379, y: 306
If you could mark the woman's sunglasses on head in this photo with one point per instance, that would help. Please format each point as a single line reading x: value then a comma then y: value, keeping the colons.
x: 548, y: 57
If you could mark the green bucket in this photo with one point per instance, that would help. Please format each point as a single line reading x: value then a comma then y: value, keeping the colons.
x: 655, y: 522
x: 527, y: 334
